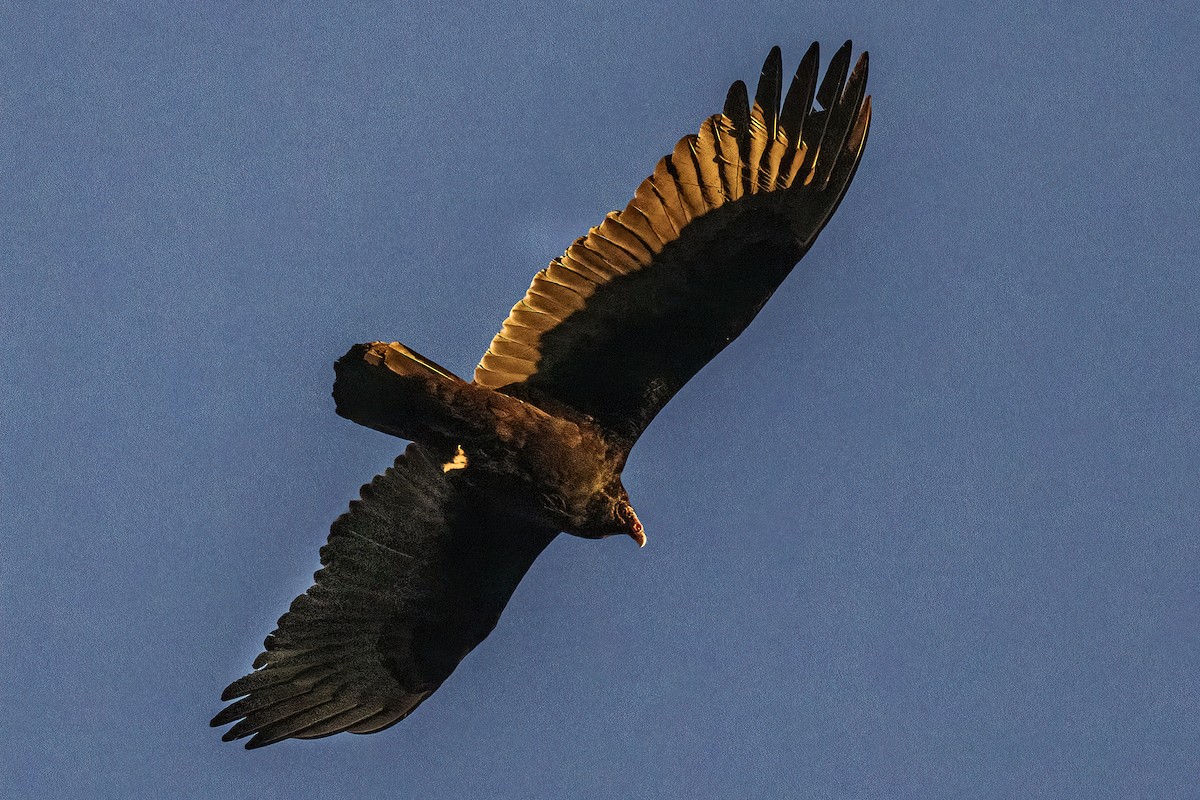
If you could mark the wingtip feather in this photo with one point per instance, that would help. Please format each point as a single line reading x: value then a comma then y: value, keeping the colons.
x: 737, y: 103
x: 835, y: 77
x: 798, y: 103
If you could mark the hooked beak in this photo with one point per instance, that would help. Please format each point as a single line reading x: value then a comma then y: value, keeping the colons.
x: 636, y: 531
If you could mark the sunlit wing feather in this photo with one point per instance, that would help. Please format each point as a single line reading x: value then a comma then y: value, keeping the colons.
x: 414, y: 575
x: 620, y: 322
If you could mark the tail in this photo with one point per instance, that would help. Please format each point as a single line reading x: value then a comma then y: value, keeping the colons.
x: 393, y: 389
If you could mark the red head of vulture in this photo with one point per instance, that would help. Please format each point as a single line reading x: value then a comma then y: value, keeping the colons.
x: 417, y: 572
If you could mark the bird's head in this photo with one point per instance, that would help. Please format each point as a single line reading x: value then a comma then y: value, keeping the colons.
x: 628, y: 519
x: 619, y: 516
x: 610, y: 513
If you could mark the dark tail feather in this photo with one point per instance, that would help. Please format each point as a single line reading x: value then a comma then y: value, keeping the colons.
x: 393, y: 389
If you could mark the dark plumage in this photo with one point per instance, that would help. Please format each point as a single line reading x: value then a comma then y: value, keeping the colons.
x: 418, y: 571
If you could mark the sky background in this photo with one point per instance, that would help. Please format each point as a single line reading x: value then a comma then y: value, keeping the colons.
x: 928, y: 529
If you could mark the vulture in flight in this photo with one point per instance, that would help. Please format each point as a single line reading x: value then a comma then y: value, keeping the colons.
x: 417, y: 572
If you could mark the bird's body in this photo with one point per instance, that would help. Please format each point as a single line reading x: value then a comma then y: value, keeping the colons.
x: 552, y: 470
x: 417, y: 573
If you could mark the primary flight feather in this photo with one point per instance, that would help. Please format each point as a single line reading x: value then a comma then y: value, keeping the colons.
x: 418, y: 571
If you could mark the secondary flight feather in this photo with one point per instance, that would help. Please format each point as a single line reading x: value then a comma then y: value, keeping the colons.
x: 418, y: 571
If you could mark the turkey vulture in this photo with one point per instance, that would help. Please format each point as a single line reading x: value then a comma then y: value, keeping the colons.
x: 417, y: 572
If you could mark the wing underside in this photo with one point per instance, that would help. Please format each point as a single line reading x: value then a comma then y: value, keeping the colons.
x: 616, y: 325
x: 414, y: 575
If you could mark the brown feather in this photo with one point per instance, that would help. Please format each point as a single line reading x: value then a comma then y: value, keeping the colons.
x: 662, y: 185
x: 686, y: 178
x: 706, y: 155
x: 614, y: 230
x: 641, y: 225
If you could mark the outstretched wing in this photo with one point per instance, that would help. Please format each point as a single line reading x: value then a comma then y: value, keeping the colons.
x: 415, y: 575
x: 620, y: 322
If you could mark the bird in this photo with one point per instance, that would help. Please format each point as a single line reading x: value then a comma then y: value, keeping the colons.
x: 417, y: 572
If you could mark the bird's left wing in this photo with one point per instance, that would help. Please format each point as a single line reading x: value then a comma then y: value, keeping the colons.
x: 620, y: 322
x: 414, y: 575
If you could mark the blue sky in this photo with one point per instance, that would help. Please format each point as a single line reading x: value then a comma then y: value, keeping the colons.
x: 927, y: 529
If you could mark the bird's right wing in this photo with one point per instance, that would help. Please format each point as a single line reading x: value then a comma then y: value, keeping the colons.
x: 415, y: 575
x: 620, y: 322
